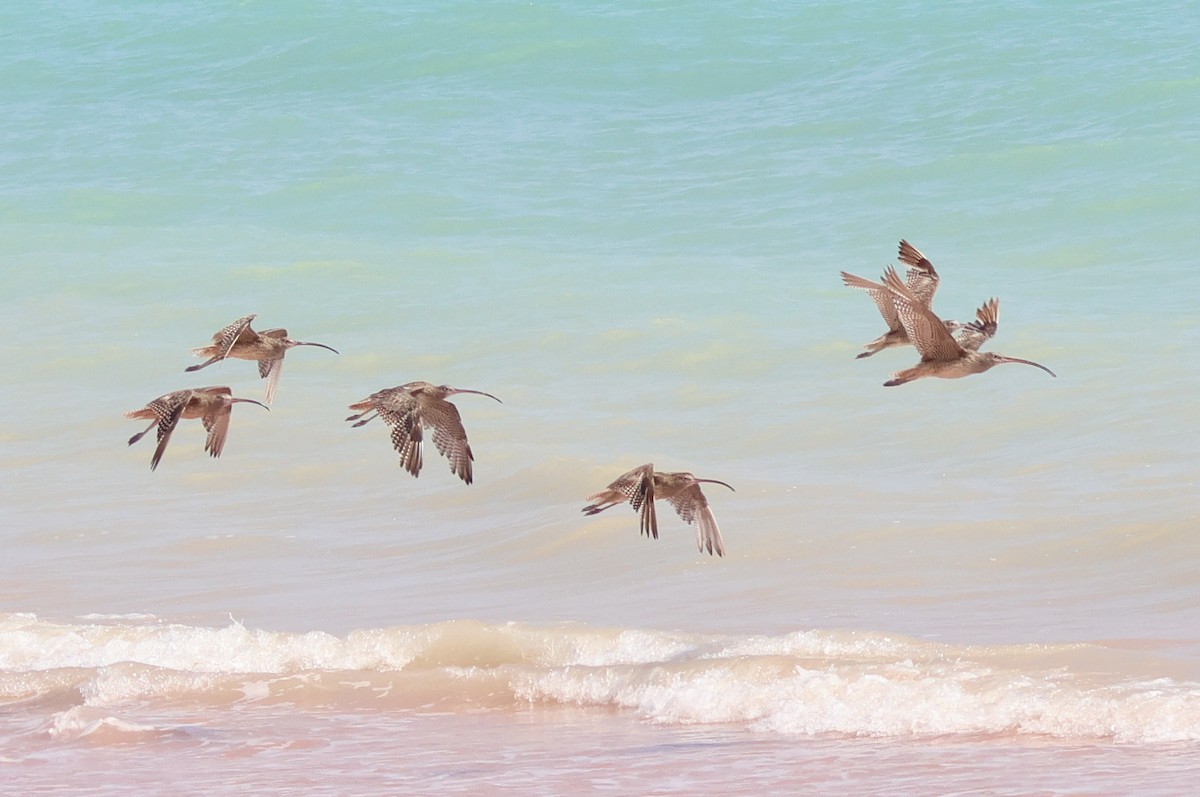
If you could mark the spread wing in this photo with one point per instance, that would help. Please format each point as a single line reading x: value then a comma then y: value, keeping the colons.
x: 636, y: 487
x: 238, y: 331
x: 879, y: 294
x: 982, y: 329
x: 406, y: 439
x: 216, y: 422
x: 643, y: 502
x: 924, y: 329
x: 922, y: 278
x: 398, y: 409
x: 270, y: 371
x: 168, y: 409
x: 448, y: 434
x: 693, y: 507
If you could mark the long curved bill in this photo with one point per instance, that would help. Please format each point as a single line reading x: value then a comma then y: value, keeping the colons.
x: 322, y: 345
x: 478, y: 393
x: 1027, y: 362
x: 715, y: 481
x: 249, y: 401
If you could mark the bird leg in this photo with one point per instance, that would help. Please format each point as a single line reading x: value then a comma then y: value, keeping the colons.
x: 600, y: 505
x: 370, y: 416
x: 874, y: 347
x: 142, y: 433
x: 204, y: 364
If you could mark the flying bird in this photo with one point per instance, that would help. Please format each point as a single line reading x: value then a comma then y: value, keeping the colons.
x: 941, y: 355
x: 413, y: 407
x: 238, y: 340
x: 213, y: 405
x: 922, y: 280
x: 643, y: 485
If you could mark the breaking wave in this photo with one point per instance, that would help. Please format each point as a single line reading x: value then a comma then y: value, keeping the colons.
x: 802, y: 683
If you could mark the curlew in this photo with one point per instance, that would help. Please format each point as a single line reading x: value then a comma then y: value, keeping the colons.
x: 238, y: 340
x: 643, y: 485
x: 941, y: 354
x: 415, y: 406
x: 922, y: 280
x: 213, y: 405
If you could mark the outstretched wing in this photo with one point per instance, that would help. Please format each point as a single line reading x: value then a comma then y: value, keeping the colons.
x: 982, y: 329
x: 879, y: 294
x: 398, y: 409
x: 216, y: 422
x: 237, y: 331
x: 270, y: 371
x: 693, y: 507
x: 922, y: 278
x: 168, y: 409
x: 636, y: 487
x: 449, y: 435
x: 643, y: 502
x: 924, y: 329
x: 406, y: 439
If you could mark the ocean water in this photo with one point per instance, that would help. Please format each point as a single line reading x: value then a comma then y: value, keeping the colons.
x: 625, y: 220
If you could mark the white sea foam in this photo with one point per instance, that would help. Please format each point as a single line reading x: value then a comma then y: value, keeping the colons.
x: 80, y: 722
x: 895, y: 699
x: 34, y: 645
x: 805, y: 682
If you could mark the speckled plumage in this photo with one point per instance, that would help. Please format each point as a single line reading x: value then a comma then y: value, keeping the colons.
x: 267, y: 348
x: 213, y: 405
x: 941, y: 355
x: 922, y: 281
x: 412, y: 407
x: 643, y: 485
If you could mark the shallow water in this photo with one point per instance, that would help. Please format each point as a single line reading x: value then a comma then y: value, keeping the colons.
x: 626, y: 222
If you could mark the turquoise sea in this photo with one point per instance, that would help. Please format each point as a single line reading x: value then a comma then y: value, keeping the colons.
x: 626, y: 221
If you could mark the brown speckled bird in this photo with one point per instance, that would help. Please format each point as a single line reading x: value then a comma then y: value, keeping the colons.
x: 267, y: 348
x: 643, y: 485
x: 415, y: 406
x: 922, y: 280
x: 941, y: 355
x: 213, y: 405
